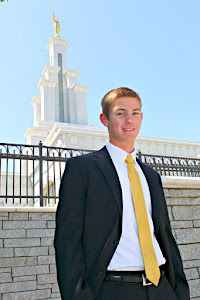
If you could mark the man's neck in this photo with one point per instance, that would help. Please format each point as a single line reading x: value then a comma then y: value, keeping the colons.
x: 128, y: 148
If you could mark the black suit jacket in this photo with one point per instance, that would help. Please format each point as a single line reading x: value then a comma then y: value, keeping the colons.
x: 89, y: 226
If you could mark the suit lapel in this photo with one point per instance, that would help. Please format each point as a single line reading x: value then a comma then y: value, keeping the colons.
x: 106, y: 166
x: 151, y: 180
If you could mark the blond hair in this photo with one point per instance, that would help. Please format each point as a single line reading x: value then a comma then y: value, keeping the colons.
x: 111, y: 96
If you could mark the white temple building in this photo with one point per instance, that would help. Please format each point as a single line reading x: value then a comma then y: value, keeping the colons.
x: 61, y: 119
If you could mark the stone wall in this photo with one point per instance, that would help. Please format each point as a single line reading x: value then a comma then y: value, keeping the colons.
x: 27, y: 262
x: 183, y: 200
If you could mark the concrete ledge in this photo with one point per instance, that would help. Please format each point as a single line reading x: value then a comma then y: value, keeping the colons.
x: 28, y: 209
x: 178, y: 182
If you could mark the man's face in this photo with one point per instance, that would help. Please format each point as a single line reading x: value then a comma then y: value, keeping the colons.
x: 124, y: 122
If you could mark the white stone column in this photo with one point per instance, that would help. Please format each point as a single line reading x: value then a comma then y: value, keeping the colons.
x: 51, y: 73
x: 36, y: 102
x: 48, y: 99
x: 80, y: 103
x: 70, y: 79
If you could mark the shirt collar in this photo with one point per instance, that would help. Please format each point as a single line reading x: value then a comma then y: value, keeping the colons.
x: 119, y: 154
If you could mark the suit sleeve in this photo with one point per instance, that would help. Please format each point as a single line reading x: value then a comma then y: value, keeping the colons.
x: 181, y: 286
x: 68, y: 235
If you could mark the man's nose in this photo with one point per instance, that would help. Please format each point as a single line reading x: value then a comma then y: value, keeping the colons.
x: 129, y: 118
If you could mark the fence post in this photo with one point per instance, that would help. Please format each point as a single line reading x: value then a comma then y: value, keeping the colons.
x: 139, y: 154
x: 40, y: 174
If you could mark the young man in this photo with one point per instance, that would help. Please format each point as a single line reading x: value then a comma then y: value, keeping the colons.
x: 113, y: 238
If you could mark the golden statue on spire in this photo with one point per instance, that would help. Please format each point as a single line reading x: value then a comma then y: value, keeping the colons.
x: 56, y: 25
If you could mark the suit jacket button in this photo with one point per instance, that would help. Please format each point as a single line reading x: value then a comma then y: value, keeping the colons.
x: 100, y: 274
x: 116, y: 243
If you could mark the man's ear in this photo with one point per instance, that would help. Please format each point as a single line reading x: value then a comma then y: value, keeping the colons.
x: 104, y: 119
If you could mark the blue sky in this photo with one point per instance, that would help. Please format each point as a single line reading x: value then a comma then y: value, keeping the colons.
x: 152, y: 47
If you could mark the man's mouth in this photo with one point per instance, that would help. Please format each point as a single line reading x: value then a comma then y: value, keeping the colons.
x: 128, y: 129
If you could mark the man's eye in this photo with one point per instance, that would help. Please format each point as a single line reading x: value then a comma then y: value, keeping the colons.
x: 136, y: 113
x: 120, y: 114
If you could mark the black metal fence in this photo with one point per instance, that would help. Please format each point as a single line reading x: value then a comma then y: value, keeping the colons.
x: 31, y: 174
x: 172, y: 166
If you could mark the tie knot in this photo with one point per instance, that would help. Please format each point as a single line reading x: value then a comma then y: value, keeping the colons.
x: 129, y: 159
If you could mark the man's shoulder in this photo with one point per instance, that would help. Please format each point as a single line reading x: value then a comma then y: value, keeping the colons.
x: 86, y: 158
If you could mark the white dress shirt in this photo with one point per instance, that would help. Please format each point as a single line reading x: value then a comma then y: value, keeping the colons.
x: 128, y: 255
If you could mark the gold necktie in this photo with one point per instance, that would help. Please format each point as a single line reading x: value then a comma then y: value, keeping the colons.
x: 150, y: 261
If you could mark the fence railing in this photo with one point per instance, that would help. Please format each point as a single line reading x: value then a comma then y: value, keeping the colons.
x: 30, y: 175
x: 172, y: 166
